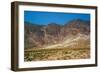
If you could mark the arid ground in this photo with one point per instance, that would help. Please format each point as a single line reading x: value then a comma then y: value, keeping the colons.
x: 56, y: 54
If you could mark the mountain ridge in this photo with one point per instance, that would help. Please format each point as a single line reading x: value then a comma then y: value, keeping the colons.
x: 40, y: 36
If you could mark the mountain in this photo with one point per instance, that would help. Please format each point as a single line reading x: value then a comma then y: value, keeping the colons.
x: 76, y: 26
x: 33, y: 35
x: 74, y: 34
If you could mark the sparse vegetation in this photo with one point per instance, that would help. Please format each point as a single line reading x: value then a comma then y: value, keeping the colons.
x: 56, y: 54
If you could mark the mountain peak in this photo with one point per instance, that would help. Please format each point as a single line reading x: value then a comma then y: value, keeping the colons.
x: 79, y: 21
x: 53, y: 24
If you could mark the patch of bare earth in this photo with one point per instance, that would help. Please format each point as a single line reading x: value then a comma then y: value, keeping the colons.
x: 56, y: 54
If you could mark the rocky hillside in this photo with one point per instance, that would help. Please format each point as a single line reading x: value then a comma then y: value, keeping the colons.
x: 74, y: 34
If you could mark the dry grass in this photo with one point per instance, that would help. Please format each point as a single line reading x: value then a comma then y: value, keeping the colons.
x: 56, y: 54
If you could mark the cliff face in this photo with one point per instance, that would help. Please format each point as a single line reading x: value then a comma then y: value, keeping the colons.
x: 74, y: 34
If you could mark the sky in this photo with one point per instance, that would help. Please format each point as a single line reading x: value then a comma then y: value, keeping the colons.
x: 44, y: 18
